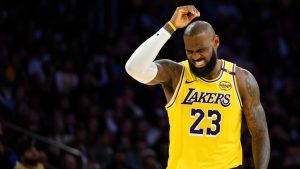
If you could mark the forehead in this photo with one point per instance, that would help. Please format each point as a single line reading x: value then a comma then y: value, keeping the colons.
x: 198, y: 41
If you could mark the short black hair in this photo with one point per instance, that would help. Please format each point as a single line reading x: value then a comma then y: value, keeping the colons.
x: 199, y: 27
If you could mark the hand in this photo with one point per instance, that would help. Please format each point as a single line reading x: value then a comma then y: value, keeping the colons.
x: 184, y: 15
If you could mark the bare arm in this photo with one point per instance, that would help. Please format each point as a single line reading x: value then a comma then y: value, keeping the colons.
x: 168, y: 71
x: 168, y: 76
x: 141, y: 66
x: 255, y: 118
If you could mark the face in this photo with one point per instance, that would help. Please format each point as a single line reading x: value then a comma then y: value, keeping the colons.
x: 201, y: 51
x: 31, y: 156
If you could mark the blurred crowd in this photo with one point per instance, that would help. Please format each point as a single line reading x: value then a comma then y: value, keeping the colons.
x: 62, y: 76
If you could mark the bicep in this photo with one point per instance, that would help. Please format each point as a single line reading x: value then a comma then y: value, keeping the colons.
x: 167, y: 72
x: 252, y: 108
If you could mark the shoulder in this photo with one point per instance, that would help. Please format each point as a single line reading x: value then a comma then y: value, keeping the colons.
x: 170, y: 65
x: 169, y: 69
x: 168, y: 73
x: 242, y: 73
x: 246, y: 83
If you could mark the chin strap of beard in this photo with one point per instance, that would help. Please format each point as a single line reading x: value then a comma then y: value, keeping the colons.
x: 207, y: 69
x: 30, y: 162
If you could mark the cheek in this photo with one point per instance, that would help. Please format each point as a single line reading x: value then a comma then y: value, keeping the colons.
x: 31, y: 154
x: 211, y: 53
x: 207, y: 55
x: 189, y: 56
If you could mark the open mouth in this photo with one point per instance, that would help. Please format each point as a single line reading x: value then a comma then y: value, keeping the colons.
x: 199, y: 63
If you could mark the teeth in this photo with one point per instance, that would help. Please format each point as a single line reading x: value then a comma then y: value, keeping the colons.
x: 199, y: 63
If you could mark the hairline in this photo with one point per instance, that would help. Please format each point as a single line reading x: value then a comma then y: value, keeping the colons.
x: 199, y: 27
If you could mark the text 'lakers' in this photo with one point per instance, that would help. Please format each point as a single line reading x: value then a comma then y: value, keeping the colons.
x: 206, y: 97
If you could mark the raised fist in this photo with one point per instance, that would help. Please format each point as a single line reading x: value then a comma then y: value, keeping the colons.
x: 184, y: 15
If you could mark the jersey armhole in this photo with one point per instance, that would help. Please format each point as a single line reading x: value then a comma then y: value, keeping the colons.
x: 235, y: 85
x: 171, y: 102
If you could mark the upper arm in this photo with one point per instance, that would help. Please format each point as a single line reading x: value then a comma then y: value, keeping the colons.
x: 252, y: 108
x: 168, y: 73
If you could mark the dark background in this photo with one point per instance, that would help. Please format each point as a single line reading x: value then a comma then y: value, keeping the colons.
x: 62, y: 76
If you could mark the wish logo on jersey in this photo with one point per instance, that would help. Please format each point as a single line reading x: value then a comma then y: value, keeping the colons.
x: 224, y: 85
x: 205, y: 97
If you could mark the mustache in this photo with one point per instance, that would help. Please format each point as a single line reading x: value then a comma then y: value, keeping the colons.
x: 30, y: 162
x: 202, y: 72
x: 197, y: 60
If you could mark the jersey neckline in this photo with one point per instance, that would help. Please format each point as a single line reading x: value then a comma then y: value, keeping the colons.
x: 217, y: 78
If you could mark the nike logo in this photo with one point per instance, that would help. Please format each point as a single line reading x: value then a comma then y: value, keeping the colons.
x: 190, y: 81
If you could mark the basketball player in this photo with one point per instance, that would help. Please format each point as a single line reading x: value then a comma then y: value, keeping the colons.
x: 29, y: 155
x: 205, y: 98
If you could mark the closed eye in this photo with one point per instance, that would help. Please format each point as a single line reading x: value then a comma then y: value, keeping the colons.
x: 202, y: 50
x: 189, y: 51
x: 197, y: 51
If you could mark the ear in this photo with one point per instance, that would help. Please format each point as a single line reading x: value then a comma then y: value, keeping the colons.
x: 216, y: 41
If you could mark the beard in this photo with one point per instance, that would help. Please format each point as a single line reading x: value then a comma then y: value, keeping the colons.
x: 204, y: 71
x: 30, y: 162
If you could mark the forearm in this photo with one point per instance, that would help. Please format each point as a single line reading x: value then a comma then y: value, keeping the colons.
x: 255, y: 118
x: 261, y: 150
x: 140, y: 65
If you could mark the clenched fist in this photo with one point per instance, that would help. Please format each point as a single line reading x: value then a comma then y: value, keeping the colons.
x: 184, y: 15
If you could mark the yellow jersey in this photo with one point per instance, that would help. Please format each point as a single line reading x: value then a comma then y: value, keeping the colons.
x: 21, y: 166
x: 205, y: 121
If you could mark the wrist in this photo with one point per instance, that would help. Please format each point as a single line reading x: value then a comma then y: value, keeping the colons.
x: 170, y: 27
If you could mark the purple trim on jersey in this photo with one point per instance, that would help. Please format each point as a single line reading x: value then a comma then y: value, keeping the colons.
x: 180, y: 83
x: 228, y: 71
x: 210, y: 81
x: 235, y: 85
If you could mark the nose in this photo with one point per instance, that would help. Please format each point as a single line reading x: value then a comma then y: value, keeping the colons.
x: 196, y: 56
x: 34, y: 151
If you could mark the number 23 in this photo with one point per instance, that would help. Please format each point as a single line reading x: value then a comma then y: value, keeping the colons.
x: 209, y: 132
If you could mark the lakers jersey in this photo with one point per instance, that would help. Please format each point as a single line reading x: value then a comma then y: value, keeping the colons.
x: 205, y: 121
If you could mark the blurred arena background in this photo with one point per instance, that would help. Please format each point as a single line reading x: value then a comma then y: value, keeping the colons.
x: 63, y: 83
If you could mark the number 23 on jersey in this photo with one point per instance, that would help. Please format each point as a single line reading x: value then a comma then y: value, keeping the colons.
x: 210, y: 131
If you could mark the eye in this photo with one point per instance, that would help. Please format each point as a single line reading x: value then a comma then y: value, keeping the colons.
x: 202, y: 50
x: 189, y: 51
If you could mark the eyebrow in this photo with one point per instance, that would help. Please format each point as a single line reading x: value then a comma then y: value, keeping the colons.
x: 204, y: 48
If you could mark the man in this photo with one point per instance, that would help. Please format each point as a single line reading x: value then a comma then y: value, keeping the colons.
x: 206, y: 97
x: 29, y: 155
